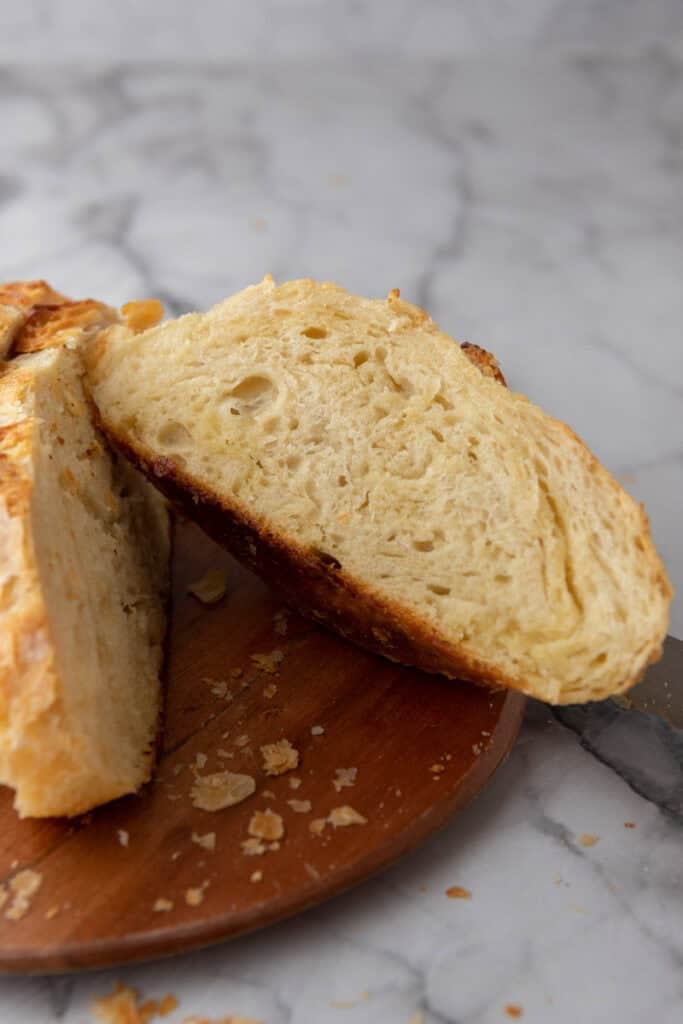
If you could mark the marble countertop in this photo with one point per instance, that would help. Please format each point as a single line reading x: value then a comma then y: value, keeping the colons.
x: 532, y: 201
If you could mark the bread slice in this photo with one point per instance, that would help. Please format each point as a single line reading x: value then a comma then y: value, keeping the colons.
x: 17, y: 300
x: 350, y: 452
x: 84, y: 554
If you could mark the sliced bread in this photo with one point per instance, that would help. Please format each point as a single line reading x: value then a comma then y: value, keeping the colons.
x: 84, y: 558
x: 350, y: 452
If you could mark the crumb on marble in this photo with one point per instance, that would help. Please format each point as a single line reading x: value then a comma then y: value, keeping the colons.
x: 588, y: 839
x: 514, y: 1010
x: 458, y: 892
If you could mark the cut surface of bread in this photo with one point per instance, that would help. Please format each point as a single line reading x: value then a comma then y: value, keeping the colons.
x: 84, y: 552
x: 354, y: 455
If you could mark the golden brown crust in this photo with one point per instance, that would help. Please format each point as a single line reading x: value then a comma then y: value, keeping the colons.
x: 484, y: 361
x: 54, y: 325
x: 27, y: 294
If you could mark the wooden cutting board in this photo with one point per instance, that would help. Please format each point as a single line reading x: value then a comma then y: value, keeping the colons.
x: 421, y: 747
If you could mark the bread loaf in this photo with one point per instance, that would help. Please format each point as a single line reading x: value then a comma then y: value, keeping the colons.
x: 84, y: 552
x: 350, y: 452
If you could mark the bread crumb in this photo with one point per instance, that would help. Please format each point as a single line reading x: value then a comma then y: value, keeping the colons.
x: 224, y: 753
x: 300, y: 806
x: 123, y: 836
x: 268, y: 662
x: 294, y: 782
x: 629, y: 824
x: 344, y: 777
x: 438, y: 768
x: 52, y: 912
x: 195, y: 896
x: 476, y: 748
x: 123, y: 1007
x: 317, y: 730
x: 200, y: 760
x: 417, y: 1018
x: 279, y: 757
x: 162, y: 905
x: 211, y: 588
x: 266, y: 825
x: 587, y: 839
x: 231, y: 1019
x: 207, y: 842
x: 256, y: 876
x: 236, y: 672
x: 340, y: 817
x: 176, y: 854
x: 270, y: 690
x: 242, y: 741
x: 280, y: 624
x: 23, y: 887
x: 513, y: 1010
x: 457, y: 892
x: 143, y: 314
x: 317, y: 826
x: 221, y: 789
x: 218, y: 687
x: 252, y: 847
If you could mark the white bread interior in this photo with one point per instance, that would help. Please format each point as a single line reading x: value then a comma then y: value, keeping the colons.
x: 482, y: 526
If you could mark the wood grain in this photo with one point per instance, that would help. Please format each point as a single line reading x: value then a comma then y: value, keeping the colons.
x: 391, y: 724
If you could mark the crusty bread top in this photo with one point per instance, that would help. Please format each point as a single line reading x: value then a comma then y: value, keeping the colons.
x: 331, y: 422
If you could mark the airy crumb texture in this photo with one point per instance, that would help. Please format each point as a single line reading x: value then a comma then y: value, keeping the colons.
x: 266, y: 825
x: 340, y: 817
x: 300, y: 806
x: 207, y: 841
x: 344, y: 778
x: 211, y: 588
x: 23, y: 886
x: 457, y: 892
x: 162, y: 905
x: 279, y: 757
x: 221, y: 789
x: 393, y: 486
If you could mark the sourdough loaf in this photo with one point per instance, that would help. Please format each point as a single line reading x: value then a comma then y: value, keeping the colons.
x: 84, y: 551
x: 355, y: 456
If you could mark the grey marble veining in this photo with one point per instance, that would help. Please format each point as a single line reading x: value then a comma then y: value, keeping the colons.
x: 534, y: 206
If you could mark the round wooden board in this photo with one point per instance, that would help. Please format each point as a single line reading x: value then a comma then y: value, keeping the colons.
x: 392, y: 724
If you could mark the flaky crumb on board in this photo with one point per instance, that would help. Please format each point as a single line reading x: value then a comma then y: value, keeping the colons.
x: 317, y: 730
x: 280, y: 623
x: 207, y: 841
x: 210, y: 588
x: 317, y: 826
x: 266, y: 825
x: 256, y: 876
x: 162, y: 905
x: 300, y: 806
x: 294, y: 782
x: 253, y: 847
x: 344, y: 777
x: 195, y: 895
x: 269, y: 663
x: 22, y: 887
x: 340, y: 817
x: 269, y: 691
x: 279, y: 757
x: 221, y: 789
